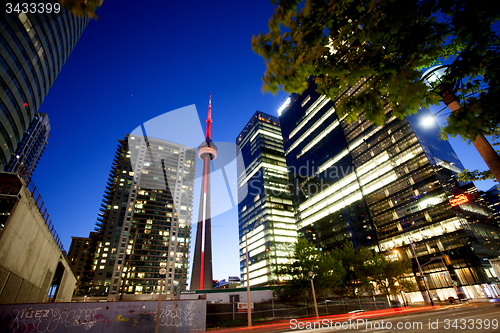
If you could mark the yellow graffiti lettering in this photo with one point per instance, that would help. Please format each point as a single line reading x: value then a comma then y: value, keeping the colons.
x: 136, y: 322
x: 120, y: 318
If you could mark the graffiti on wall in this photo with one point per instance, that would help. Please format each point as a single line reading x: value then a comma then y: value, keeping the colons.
x: 48, y: 320
x: 44, y: 318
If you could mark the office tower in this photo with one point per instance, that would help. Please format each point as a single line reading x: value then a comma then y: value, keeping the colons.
x: 385, y: 187
x: 31, y: 147
x: 144, y: 220
x: 265, y: 214
x: 325, y: 190
x: 201, y: 277
x: 492, y: 198
x: 33, y: 49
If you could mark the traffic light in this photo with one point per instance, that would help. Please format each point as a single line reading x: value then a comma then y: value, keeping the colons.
x: 447, y: 259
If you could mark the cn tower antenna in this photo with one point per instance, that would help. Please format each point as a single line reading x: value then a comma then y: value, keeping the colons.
x: 209, y: 119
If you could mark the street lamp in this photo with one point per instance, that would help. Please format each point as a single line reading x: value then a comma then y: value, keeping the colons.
x: 162, y: 272
x: 412, y: 247
x: 314, y: 294
x: 249, y: 310
x: 433, y: 78
x: 405, y: 303
x: 249, y: 302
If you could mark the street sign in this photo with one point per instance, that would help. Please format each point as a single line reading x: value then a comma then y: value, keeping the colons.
x: 163, y: 271
x: 242, y: 307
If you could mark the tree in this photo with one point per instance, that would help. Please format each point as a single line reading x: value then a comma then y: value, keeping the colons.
x: 385, y: 44
x: 359, y: 266
x: 328, y: 272
x: 82, y: 7
x: 390, y: 275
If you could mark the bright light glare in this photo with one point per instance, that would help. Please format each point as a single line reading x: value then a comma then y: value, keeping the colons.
x: 284, y: 105
x: 428, y: 121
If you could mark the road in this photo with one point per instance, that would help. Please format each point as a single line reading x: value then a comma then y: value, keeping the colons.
x: 470, y: 318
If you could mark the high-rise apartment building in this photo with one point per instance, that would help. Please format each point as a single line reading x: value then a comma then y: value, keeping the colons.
x: 82, y: 254
x: 33, y: 49
x: 31, y: 147
x: 145, y: 219
x: 266, y: 213
x: 386, y: 187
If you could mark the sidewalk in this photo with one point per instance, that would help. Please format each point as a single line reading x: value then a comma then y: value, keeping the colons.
x: 446, y: 303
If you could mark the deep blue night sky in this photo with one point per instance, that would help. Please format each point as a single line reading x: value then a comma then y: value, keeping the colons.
x: 139, y: 60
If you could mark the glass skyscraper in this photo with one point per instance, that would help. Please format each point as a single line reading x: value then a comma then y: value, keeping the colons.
x: 266, y: 213
x: 385, y: 187
x: 33, y: 49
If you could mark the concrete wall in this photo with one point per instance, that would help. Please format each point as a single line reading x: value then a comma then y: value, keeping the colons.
x: 110, y: 317
x: 29, y: 256
x: 68, y: 282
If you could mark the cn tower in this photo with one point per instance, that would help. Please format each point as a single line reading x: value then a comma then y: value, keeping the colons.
x: 201, y: 276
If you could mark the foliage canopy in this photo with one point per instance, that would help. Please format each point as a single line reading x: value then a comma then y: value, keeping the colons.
x: 82, y: 7
x: 327, y: 272
x: 387, y: 43
x: 344, y: 271
x: 477, y: 175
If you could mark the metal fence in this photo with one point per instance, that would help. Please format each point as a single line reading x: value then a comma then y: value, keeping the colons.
x: 45, y: 214
x: 226, y: 314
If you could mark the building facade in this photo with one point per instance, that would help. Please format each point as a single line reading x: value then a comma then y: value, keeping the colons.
x: 30, y: 149
x: 34, y: 47
x: 145, y: 219
x: 386, y: 187
x: 492, y: 198
x: 265, y: 214
x: 82, y: 255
